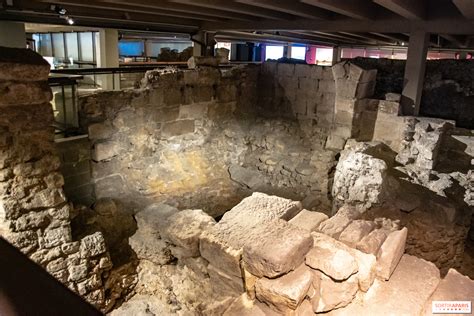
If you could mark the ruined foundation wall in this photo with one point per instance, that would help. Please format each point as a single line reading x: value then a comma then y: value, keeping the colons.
x: 203, y: 137
x: 34, y: 212
x: 447, y: 92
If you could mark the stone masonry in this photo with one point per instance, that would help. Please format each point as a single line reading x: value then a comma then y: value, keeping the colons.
x: 34, y: 212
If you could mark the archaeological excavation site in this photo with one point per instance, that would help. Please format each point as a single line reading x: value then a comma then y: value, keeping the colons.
x: 236, y: 158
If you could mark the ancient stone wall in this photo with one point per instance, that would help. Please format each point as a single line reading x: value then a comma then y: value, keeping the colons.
x: 447, y: 93
x: 199, y: 137
x: 34, y: 212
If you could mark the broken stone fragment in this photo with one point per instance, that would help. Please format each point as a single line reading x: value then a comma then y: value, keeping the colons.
x: 335, y: 294
x: 335, y: 225
x: 279, y: 248
x: 356, y: 230
x: 286, y: 292
x: 308, y: 220
x: 333, y: 261
x: 390, y: 253
x: 184, y: 229
x: 372, y: 242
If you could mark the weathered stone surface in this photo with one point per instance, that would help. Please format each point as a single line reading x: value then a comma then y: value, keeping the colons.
x: 336, y: 224
x: 92, y: 245
x: 225, y: 284
x: 305, y: 309
x: 280, y: 248
x: 197, y: 61
x: 372, y: 242
x: 246, y: 177
x: 333, y: 261
x: 366, y: 274
x: 15, y: 93
x: 22, y: 65
x: 360, y: 178
x: 177, y: 128
x: 406, y: 293
x: 249, y: 282
x: 356, y: 230
x: 184, y: 229
x: 105, y: 151
x: 286, y: 292
x: 308, y: 220
x: 245, y: 307
x: 100, y: 131
x: 454, y: 287
x: 335, y: 294
x: 390, y: 253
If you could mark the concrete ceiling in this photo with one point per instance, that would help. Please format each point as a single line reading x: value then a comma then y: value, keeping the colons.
x: 326, y: 22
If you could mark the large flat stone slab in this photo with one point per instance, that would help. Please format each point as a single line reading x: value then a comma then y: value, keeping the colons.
x: 287, y: 292
x: 406, y: 293
x: 390, y: 253
x: 335, y: 225
x: 356, y: 230
x: 335, y: 294
x: 308, y: 220
x: 276, y: 249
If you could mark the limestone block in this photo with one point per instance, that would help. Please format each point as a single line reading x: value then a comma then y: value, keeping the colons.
x: 177, y: 128
x: 249, y: 281
x: 389, y: 107
x: 17, y: 93
x: 279, y: 249
x: 335, y: 225
x: 454, y: 287
x: 390, y: 253
x: 70, y: 247
x: 22, y: 65
x: 308, y: 220
x: 78, y: 272
x: 55, y: 237
x: 269, y: 67
x: 91, y: 283
x: 286, y: 69
x: 92, y: 245
x: 196, y: 61
x: 286, y: 292
x: 406, y: 293
x: 335, y: 294
x: 260, y: 208
x: 367, y: 265
x: 32, y: 221
x: 356, y: 230
x: 227, y: 93
x: 372, y: 242
x: 105, y: 151
x: 365, y: 90
x: 335, y: 262
x: 338, y: 71
x: 243, y: 306
x: 302, y: 70
x: 184, y: 229
x: 246, y: 177
x: 335, y: 142
x: 99, y: 131
x: 216, y: 248
x: 317, y: 72
x: 327, y: 86
x: 346, y: 89
x: 344, y: 118
x: 225, y: 284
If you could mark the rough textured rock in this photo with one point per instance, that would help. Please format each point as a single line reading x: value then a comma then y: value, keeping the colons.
x: 279, y: 249
x: 372, y: 242
x: 337, y: 263
x: 356, y: 230
x: 308, y: 220
x: 245, y: 307
x: 390, y: 253
x: 335, y: 225
x: 335, y: 294
x: 412, y: 283
x: 286, y: 292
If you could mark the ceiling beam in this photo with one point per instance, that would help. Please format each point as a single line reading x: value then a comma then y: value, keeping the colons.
x: 230, y: 6
x: 179, y: 8
x: 294, y: 8
x: 367, y: 38
x: 409, y: 9
x: 456, y: 40
x: 400, y: 25
x: 265, y: 38
x: 132, y: 8
x: 466, y: 7
x: 364, y: 10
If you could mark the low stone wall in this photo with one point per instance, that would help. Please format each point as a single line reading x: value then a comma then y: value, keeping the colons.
x: 197, y: 137
x: 447, y: 90
x: 34, y: 212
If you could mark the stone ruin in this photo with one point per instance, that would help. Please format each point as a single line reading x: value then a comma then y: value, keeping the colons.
x: 277, y: 189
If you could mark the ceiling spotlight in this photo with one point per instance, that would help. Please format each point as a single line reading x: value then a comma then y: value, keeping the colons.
x: 59, y: 10
x: 70, y: 21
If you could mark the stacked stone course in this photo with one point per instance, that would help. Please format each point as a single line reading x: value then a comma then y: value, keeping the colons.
x: 34, y: 212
